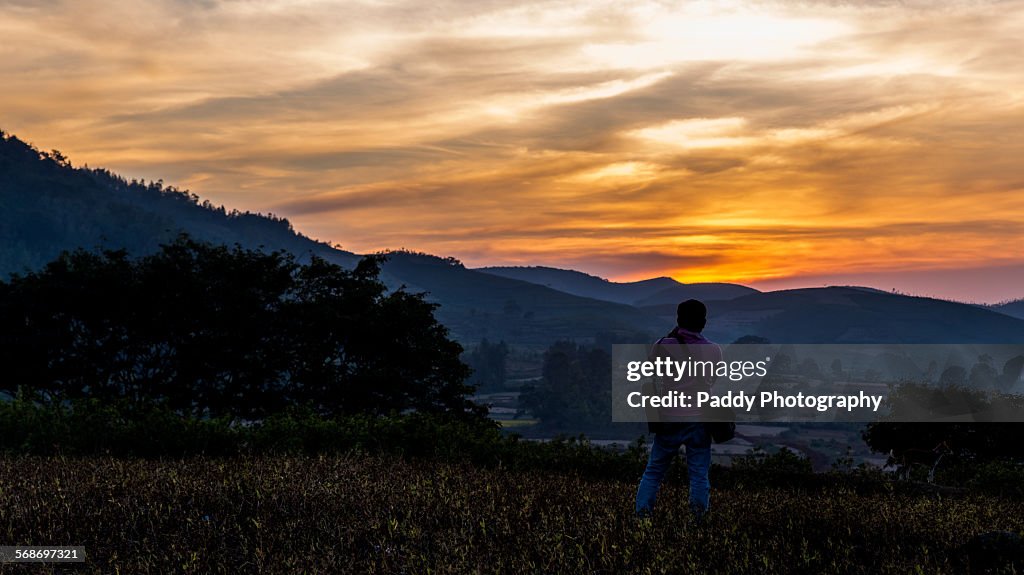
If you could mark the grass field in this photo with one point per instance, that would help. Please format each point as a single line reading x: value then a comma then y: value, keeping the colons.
x: 363, y: 514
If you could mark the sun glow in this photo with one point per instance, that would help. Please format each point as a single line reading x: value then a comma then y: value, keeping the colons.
x: 729, y: 140
x: 713, y: 31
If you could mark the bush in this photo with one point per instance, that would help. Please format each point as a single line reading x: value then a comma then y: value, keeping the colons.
x: 1001, y: 477
x: 88, y: 426
x: 783, y: 462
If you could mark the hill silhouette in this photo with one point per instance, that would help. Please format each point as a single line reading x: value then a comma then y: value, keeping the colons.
x: 855, y: 315
x: 476, y: 304
x: 644, y: 292
x: 47, y: 205
x: 1012, y: 308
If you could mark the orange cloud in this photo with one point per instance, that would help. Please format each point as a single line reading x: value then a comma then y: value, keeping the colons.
x: 743, y: 141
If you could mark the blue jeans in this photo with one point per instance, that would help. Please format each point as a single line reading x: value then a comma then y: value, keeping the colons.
x: 698, y: 463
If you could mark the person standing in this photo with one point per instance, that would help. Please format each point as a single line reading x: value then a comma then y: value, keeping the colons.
x: 691, y: 317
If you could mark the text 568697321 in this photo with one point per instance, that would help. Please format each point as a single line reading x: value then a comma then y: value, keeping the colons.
x: 42, y: 554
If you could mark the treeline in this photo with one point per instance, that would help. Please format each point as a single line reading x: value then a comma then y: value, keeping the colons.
x: 212, y: 331
x: 90, y: 427
x: 977, y: 424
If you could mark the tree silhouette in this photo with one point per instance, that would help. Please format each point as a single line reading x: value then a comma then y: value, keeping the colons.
x: 982, y: 438
x: 574, y: 390
x: 488, y: 362
x: 210, y: 330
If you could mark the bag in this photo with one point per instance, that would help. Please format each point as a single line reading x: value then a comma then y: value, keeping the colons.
x: 656, y: 421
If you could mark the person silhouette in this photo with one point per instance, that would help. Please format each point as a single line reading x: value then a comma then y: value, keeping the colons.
x: 691, y: 318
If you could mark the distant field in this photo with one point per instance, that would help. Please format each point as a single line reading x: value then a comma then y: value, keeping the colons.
x: 508, y: 423
x: 364, y: 514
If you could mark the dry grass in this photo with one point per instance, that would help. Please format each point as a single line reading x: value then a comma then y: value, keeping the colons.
x: 361, y: 514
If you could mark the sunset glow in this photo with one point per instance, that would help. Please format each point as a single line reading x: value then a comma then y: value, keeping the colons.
x: 777, y: 144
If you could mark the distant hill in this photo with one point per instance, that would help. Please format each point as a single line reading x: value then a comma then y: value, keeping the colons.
x: 476, y: 304
x: 47, y: 206
x: 855, y: 315
x: 1014, y: 308
x: 706, y: 292
x: 645, y: 292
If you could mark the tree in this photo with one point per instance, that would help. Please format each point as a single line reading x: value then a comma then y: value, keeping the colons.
x: 488, y: 362
x: 983, y: 375
x: 953, y: 376
x: 837, y: 369
x: 810, y: 368
x: 210, y: 330
x: 574, y: 390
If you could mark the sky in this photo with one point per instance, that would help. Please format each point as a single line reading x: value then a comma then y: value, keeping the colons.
x: 776, y: 144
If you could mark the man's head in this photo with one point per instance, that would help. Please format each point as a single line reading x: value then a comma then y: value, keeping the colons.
x: 692, y: 315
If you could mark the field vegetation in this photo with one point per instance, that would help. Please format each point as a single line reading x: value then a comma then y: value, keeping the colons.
x: 362, y: 513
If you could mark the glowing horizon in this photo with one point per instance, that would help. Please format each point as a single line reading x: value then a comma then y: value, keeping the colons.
x: 770, y: 143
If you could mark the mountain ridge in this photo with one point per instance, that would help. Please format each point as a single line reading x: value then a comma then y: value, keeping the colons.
x: 1013, y: 308
x: 852, y: 315
x: 48, y: 206
x: 649, y: 291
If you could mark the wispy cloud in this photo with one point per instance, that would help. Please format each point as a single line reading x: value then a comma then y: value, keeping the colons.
x: 711, y: 141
